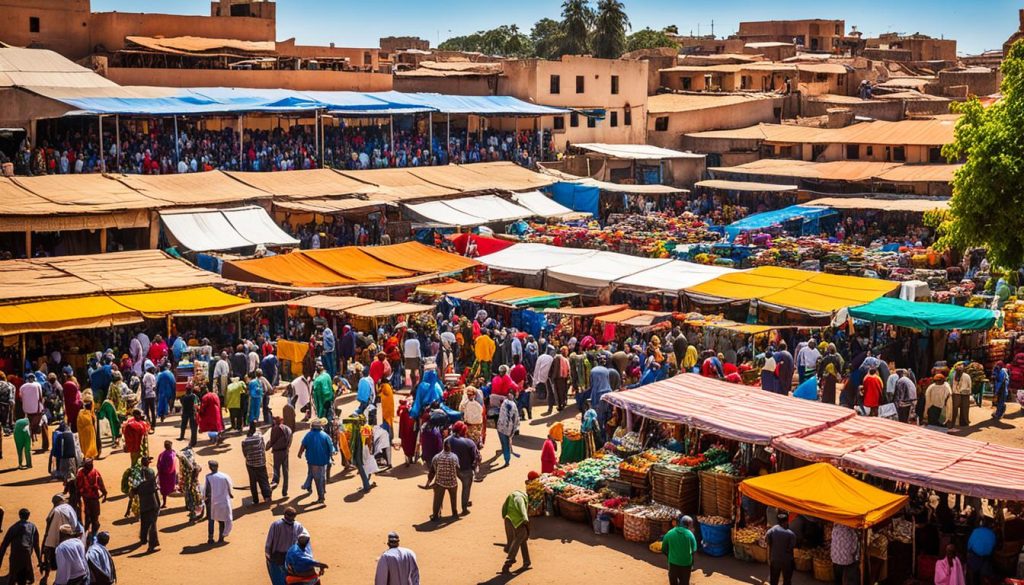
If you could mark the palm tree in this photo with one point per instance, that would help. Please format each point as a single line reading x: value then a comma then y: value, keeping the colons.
x: 577, y: 18
x: 610, y: 29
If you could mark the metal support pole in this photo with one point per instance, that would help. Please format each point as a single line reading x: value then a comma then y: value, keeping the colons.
x: 177, y: 147
x: 391, y: 133
x: 448, y: 136
x: 241, y: 145
x: 323, y: 141
x: 117, y: 142
x: 430, y: 133
x: 316, y: 134
x: 103, y: 153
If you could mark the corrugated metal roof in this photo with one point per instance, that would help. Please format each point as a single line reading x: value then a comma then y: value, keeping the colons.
x: 744, y: 186
x: 21, y: 67
x: 843, y: 170
x: 932, y: 132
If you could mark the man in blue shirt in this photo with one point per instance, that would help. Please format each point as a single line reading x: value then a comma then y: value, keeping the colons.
x: 329, y: 358
x: 319, y: 450
x: 166, y: 387
x: 364, y: 393
x: 980, y: 546
x: 270, y: 370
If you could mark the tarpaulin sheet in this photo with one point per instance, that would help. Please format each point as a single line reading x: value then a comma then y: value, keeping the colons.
x: 602, y: 268
x: 439, y: 213
x: 353, y: 263
x: 329, y: 303
x: 924, y: 315
x: 203, y: 231
x: 294, y: 269
x: 64, y: 314
x: 588, y: 311
x: 255, y: 225
x: 577, y: 197
x: 484, y: 244
x: 162, y: 303
x: 541, y: 205
x: 388, y: 309
x: 731, y: 411
x: 446, y: 288
x: 673, y: 276
x: 494, y: 105
x: 292, y: 351
x: 822, y: 491
x: 419, y: 258
x: 636, y: 151
x: 815, y: 292
x: 634, y: 318
x: 532, y: 258
x: 490, y: 208
x: 759, y: 221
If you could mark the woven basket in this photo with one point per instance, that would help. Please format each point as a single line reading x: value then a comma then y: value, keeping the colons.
x: 759, y: 554
x: 708, y: 494
x: 741, y: 551
x: 572, y: 511
x: 639, y: 481
x: 674, y: 488
x: 635, y: 528
x: 659, y: 528
x: 824, y: 570
x: 802, y: 563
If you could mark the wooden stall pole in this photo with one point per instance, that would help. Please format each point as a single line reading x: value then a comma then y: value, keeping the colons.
x: 391, y: 133
x: 241, y: 147
x: 117, y: 142
x: 177, y: 147
x: 103, y: 240
x: 28, y: 243
x: 430, y: 133
x: 316, y: 135
x: 22, y: 338
x: 169, y: 325
x: 448, y: 136
x: 103, y: 154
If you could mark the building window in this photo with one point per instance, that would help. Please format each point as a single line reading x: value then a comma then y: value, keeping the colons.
x: 687, y: 83
x: 935, y: 155
x: 745, y: 82
x: 627, y: 117
x: 33, y: 24
x: 870, y: 151
x: 556, y: 84
x: 591, y: 122
x: 839, y: 30
x: 852, y: 151
x: 817, y: 150
x: 579, y: 84
x: 614, y: 119
x: 899, y: 154
x: 661, y: 124
x: 841, y: 79
x: 574, y: 120
x: 615, y: 84
x: 367, y: 58
x: 559, y: 123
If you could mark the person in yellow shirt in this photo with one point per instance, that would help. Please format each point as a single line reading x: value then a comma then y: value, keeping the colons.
x: 484, y: 349
x: 387, y: 405
x: 88, y: 428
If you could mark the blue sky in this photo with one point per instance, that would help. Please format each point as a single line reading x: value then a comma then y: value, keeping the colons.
x: 976, y: 24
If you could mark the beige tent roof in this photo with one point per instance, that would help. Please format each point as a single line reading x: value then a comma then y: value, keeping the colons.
x: 315, y: 183
x: 843, y: 170
x: 745, y: 186
x: 193, y: 188
x: 64, y: 276
x: 399, y: 184
x: 668, y: 103
x: 931, y: 132
x: 329, y: 206
x: 329, y: 303
x: 83, y: 194
x: 913, y: 205
x: 189, y: 44
x: 827, y: 68
x: 27, y: 67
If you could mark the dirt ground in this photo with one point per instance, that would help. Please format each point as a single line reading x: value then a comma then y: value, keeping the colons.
x: 350, y: 531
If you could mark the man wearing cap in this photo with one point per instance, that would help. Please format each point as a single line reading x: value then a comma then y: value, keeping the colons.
x: 279, y: 445
x: 962, y: 388
x: 23, y: 539
x: 781, y: 541
x: 72, y: 568
x: 282, y: 535
x: 101, y: 564
x: 397, y: 566
x: 31, y: 394
x: 217, y: 493
x: 679, y: 545
x: 319, y: 450
x: 149, y: 505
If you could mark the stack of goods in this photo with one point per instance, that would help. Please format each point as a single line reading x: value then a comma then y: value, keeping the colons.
x: 659, y: 518
x: 535, y: 495
x: 592, y: 473
x: 628, y: 444
x: 653, y: 235
x: 715, y: 535
x: 635, y: 469
x: 718, y: 490
x: 573, y: 501
x: 749, y: 545
x: 611, y: 504
x: 676, y: 484
x: 1013, y: 316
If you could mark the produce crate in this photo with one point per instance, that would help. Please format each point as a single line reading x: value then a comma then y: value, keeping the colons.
x: 801, y: 561
x: 725, y: 493
x: 824, y: 571
x: 759, y: 554
x: 658, y: 528
x: 573, y: 511
x: 674, y: 488
x: 635, y: 479
x: 708, y: 494
x: 635, y: 528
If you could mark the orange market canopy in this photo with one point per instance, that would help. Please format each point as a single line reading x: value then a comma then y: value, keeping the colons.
x: 110, y: 310
x: 822, y: 491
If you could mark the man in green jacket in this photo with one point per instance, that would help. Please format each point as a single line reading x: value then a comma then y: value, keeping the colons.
x: 517, y: 529
x: 323, y: 393
x: 679, y: 544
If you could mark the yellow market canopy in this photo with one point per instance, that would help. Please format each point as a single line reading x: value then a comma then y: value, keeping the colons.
x: 803, y: 290
x: 822, y: 491
x: 110, y: 310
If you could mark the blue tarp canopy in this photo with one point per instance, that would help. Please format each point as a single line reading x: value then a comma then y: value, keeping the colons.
x: 219, y: 100
x: 924, y: 316
x: 809, y: 214
x: 577, y: 197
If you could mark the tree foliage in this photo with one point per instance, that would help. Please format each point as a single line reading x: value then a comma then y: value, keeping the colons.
x: 505, y: 41
x: 649, y: 39
x: 547, y: 38
x: 577, y: 21
x: 610, y: 26
x: 987, y: 190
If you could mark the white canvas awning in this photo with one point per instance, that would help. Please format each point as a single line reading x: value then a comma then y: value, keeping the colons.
x: 602, y: 268
x: 532, y: 258
x: 673, y: 276
x: 436, y: 212
x: 636, y: 151
x: 491, y: 208
x: 543, y: 206
x: 203, y: 230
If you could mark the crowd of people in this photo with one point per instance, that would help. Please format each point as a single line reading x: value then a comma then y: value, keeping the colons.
x: 151, y: 149
x: 466, y: 376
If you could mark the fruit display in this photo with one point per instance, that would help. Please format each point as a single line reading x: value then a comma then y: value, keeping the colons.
x: 656, y: 512
x: 714, y: 520
x: 749, y: 535
x: 571, y: 434
x: 654, y: 235
x: 637, y: 464
x: 579, y: 495
x: 592, y: 472
x: 655, y: 547
x: 725, y: 469
x: 630, y: 442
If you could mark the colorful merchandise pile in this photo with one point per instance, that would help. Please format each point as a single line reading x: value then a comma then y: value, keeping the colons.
x: 653, y: 235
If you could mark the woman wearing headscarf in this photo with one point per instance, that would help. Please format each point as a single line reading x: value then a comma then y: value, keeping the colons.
x: 88, y: 427
x: 108, y: 412
x: 406, y: 431
x: 472, y: 410
x: 430, y: 442
x: 386, y: 413
x: 591, y: 432
x: 167, y: 471
x: 188, y: 482
x: 428, y: 391
x: 72, y: 396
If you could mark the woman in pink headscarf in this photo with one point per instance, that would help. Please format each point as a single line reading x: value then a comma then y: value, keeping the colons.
x: 167, y: 472
x: 948, y: 569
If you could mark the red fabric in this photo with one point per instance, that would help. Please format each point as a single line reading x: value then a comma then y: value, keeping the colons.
x: 377, y: 370
x: 210, y: 420
x: 872, y: 391
x: 484, y: 245
x: 502, y: 385
x: 406, y: 432
x: 518, y: 374
x: 134, y: 431
x: 548, y: 459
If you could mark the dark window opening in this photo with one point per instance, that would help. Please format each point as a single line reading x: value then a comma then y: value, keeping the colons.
x: 614, y: 119
x: 579, y: 84
x: 615, y: 84
x: 661, y: 124
x: 687, y: 83
x: 559, y: 123
x: 33, y: 24
x: 852, y: 151
x: 627, y: 117
x: 574, y: 119
x: 556, y: 84
x: 935, y: 155
x: 899, y: 154
x: 591, y: 122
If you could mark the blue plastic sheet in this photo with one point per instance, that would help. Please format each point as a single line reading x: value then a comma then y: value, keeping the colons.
x: 577, y: 197
x: 810, y: 215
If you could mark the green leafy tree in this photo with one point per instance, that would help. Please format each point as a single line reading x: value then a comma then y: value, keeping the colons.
x: 577, y: 20
x: 505, y: 40
x: 610, y: 26
x: 547, y: 38
x: 671, y: 29
x: 649, y: 39
x: 988, y: 188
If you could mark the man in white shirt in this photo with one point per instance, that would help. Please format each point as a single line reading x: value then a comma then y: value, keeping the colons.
x: 413, y: 355
x: 217, y: 493
x: 541, y: 373
x: 807, y: 360
x: 182, y: 167
x: 32, y: 406
x: 70, y: 558
x: 397, y: 566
